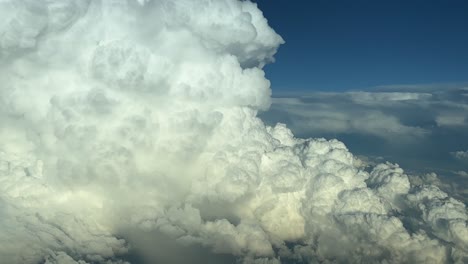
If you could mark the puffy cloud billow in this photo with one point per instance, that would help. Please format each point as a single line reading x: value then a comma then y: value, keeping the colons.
x: 129, y: 134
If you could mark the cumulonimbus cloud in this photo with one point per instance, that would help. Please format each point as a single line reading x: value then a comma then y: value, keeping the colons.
x: 121, y: 118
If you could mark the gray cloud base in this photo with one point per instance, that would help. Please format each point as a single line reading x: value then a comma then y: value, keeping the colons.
x: 129, y: 133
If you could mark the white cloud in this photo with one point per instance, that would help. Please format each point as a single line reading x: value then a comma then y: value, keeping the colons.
x: 461, y: 155
x: 386, y: 97
x: 450, y: 120
x: 123, y: 117
x: 322, y: 117
x: 462, y: 173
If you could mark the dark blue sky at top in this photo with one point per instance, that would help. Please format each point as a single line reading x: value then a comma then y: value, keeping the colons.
x: 357, y: 44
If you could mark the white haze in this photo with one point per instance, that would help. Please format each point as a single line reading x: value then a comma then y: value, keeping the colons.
x: 129, y: 128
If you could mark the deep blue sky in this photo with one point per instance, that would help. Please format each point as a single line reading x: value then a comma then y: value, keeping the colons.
x: 354, y: 44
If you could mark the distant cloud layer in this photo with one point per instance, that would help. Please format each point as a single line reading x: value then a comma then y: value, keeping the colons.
x: 421, y: 127
x: 396, y: 116
x: 387, y: 115
x: 129, y: 134
x: 350, y: 113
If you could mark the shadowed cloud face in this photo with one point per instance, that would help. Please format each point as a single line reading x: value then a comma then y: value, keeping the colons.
x: 129, y: 134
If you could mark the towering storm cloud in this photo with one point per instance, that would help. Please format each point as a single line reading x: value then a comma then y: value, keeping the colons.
x: 129, y: 134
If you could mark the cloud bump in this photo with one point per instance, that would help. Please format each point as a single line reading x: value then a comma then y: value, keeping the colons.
x: 129, y: 133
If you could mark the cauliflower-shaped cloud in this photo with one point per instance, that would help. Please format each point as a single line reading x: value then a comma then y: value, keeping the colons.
x: 122, y: 118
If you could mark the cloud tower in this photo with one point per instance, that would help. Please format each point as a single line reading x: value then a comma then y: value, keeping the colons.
x: 129, y: 134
